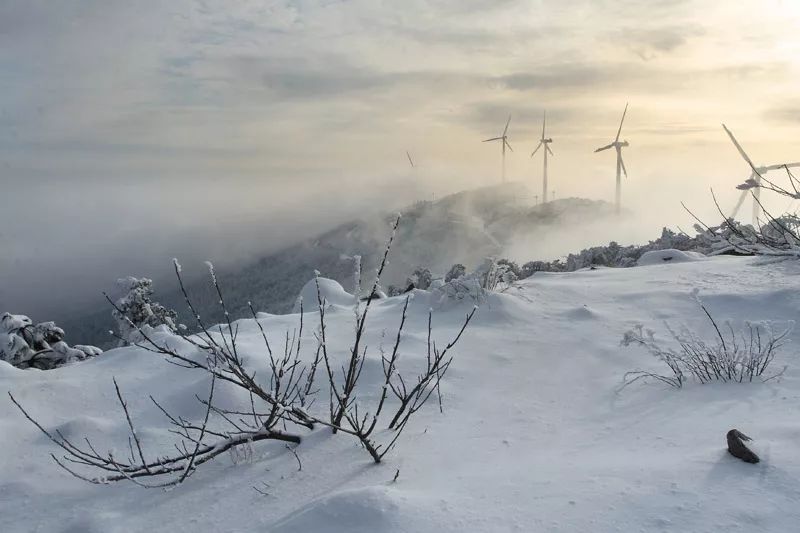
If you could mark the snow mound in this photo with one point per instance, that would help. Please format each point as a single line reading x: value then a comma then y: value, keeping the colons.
x: 352, y: 511
x: 580, y: 313
x: 329, y: 289
x: 670, y: 255
x: 76, y: 428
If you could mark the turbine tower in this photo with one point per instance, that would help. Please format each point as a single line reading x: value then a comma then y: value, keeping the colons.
x: 504, y: 140
x: 754, y: 181
x: 618, y: 145
x: 544, y: 141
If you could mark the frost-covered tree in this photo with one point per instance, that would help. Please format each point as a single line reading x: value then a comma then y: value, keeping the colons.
x: 136, y: 309
x: 455, y: 272
x: 421, y: 278
x: 27, y: 345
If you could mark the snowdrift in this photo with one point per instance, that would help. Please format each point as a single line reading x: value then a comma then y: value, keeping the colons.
x: 534, y: 436
x: 330, y: 290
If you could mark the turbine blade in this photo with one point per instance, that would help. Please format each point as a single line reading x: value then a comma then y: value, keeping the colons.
x: 493, y: 139
x: 409, y: 158
x: 739, y: 204
x: 509, y: 146
x: 544, y: 122
x: 547, y: 147
x: 621, y: 121
x: 537, y: 149
x: 778, y: 167
x: 739, y: 147
x: 506, y: 128
x: 624, y: 170
x: 604, y: 148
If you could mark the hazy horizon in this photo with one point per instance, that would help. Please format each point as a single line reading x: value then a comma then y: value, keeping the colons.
x: 132, y: 132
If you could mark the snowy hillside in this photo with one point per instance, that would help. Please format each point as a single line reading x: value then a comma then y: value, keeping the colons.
x: 461, y: 228
x: 534, y: 437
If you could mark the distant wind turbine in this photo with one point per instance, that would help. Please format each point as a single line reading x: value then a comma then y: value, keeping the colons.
x: 504, y: 140
x: 618, y: 145
x: 754, y: 181
x: 544, y: 141
x: 409, y: 159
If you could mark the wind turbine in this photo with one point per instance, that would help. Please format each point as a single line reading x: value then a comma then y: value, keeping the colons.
x: 409, y: 159
x: 618, y: 145
x: 504, y: 140
x: 544, y: 141
x: 754, y: 181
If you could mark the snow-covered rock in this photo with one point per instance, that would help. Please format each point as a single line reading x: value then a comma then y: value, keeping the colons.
x: 658, y: 257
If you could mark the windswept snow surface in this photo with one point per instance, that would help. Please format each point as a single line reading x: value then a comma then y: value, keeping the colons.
x: 534, y: 436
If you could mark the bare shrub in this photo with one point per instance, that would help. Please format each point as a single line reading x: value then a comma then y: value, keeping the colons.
x: 730, y: 356
x: 281, y: 403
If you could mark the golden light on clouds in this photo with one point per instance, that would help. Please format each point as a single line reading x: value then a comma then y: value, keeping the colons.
x: 279, y: 99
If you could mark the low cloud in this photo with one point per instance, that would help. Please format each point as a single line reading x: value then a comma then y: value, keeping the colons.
x: 651, y: 42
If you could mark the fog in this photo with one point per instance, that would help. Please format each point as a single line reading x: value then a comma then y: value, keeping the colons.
x: 131, y: 134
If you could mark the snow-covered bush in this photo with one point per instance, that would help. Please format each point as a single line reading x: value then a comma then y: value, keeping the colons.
x: 27, y: 345
x: 465, y: 287
x: 730, y: 356
x: 136, y: 310
x: 455, y: 272
x: 493, y: 273
x: 421, y: 279
x: 778, y: 236
x: 610, y: 255
x: 531, y: 267
x: 489, y: 276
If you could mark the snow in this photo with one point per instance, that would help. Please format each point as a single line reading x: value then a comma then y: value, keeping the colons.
x: 330, y: 290
x: 534, y: 435
x: 657, y: 257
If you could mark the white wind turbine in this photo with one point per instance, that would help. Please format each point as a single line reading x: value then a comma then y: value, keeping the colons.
x: 618, y: 145
x: 754, y: 181
x: 504, y: 140
x: 544, y: 141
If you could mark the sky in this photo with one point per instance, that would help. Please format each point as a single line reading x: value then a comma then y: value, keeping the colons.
x: 131, y: 132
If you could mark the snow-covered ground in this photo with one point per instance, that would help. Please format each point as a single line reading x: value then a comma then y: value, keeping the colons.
x: 534, y: 435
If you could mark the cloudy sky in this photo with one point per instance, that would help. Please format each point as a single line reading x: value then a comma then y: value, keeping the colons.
x: 150, y: 122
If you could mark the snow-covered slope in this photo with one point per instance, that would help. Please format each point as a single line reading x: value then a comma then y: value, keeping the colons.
x: 461, y: 228
x: 534, y: 435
